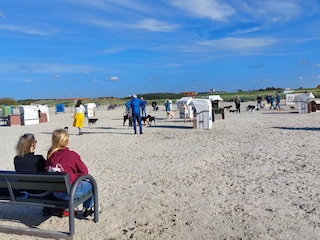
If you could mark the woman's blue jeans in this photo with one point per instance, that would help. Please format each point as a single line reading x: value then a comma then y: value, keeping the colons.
x: 81, y: 189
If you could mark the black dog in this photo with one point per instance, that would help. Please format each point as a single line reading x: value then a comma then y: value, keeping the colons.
x: 92, y: 121
x: 125, y: 118
x: 251, y: 108
x: 226, y: 108
x: 148, y: 120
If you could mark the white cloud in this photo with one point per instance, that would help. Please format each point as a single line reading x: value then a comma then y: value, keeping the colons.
x: 261, y: 80
x: 239, y: 43
x: 272, y: 11
x: 27, y: 81
x: 54, y: 69
x: 114, y: 79
x: 154, y: 25
x: 25, y: 29
x: 212, y: 9
x: 248, y: 30
x: 304, y: 62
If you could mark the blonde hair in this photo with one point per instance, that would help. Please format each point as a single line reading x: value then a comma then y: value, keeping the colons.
x: 60, y: 139
x: 24, y: 144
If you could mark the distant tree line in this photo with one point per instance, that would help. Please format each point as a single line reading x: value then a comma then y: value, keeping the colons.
x: 8, y: 101
x: 249, y: 95
x: 155, y: 96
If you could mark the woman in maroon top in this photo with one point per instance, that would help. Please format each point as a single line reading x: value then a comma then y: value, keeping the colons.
x: 61, y: 159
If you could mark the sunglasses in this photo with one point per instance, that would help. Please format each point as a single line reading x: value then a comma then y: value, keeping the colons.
x: 29, y: 135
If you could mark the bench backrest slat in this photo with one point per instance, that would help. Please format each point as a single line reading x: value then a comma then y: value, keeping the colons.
x: 37, y: 181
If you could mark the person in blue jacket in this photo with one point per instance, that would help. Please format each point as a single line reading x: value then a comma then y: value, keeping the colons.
x: 143, y: 107
x: 278, y: 98
x: 134, y: 104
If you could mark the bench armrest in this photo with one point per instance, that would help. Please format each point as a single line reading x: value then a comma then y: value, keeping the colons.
x: 95, y: 198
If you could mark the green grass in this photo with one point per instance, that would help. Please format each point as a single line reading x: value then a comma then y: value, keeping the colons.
x: 159, y: 97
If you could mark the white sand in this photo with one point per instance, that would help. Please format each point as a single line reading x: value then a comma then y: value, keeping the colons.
x: 252, y: 176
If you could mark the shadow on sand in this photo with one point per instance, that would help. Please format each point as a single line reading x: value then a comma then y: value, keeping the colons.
x: 299, y: 128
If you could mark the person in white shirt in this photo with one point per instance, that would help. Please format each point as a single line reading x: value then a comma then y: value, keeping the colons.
x: 79, y: 116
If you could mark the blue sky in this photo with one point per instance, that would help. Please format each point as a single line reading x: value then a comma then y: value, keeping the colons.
x: 97, y: 48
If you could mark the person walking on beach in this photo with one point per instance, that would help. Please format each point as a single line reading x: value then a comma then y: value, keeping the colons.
x: 259, y: 99
x: 79, y: 116
x: 143, y: 107
x: 237, y: 102
x: 278, y: 98
x: 134, y: 104
x: 154, y: 105
x: 272, y: 106
x: 167, y: 105
x: 61, y: 159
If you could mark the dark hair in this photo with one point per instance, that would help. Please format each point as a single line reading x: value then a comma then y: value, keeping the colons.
x: 79, y: 102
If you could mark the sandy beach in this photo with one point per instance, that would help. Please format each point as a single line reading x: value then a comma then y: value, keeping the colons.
x: 251, y: 176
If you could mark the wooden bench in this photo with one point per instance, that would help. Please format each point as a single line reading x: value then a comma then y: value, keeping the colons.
x: 12, y: 183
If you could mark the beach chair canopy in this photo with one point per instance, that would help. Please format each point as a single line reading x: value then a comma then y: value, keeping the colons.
x: 214, y: 98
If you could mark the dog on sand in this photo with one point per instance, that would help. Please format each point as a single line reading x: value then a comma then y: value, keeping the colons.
x: 227, y: 108
x: 251, y: 108
x: 171, y: 114
x: 148, y: 120
x: 126, y: 117
x: 92, y: 121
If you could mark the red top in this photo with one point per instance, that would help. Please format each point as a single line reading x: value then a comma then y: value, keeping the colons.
x: 67, y: 161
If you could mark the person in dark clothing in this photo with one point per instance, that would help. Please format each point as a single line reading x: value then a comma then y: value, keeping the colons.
x: 154, y: 105
x: 277, y: 105
x: 237, y: 102
x: 259, y: 99
x: 26, y: 160
x: 134, y: 104
x: 143, y: 107
x: 268, y: 99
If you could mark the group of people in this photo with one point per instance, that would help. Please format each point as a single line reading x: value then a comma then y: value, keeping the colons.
x: 273, y: 102
x: 136, y: 108
x: 59, y: 159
